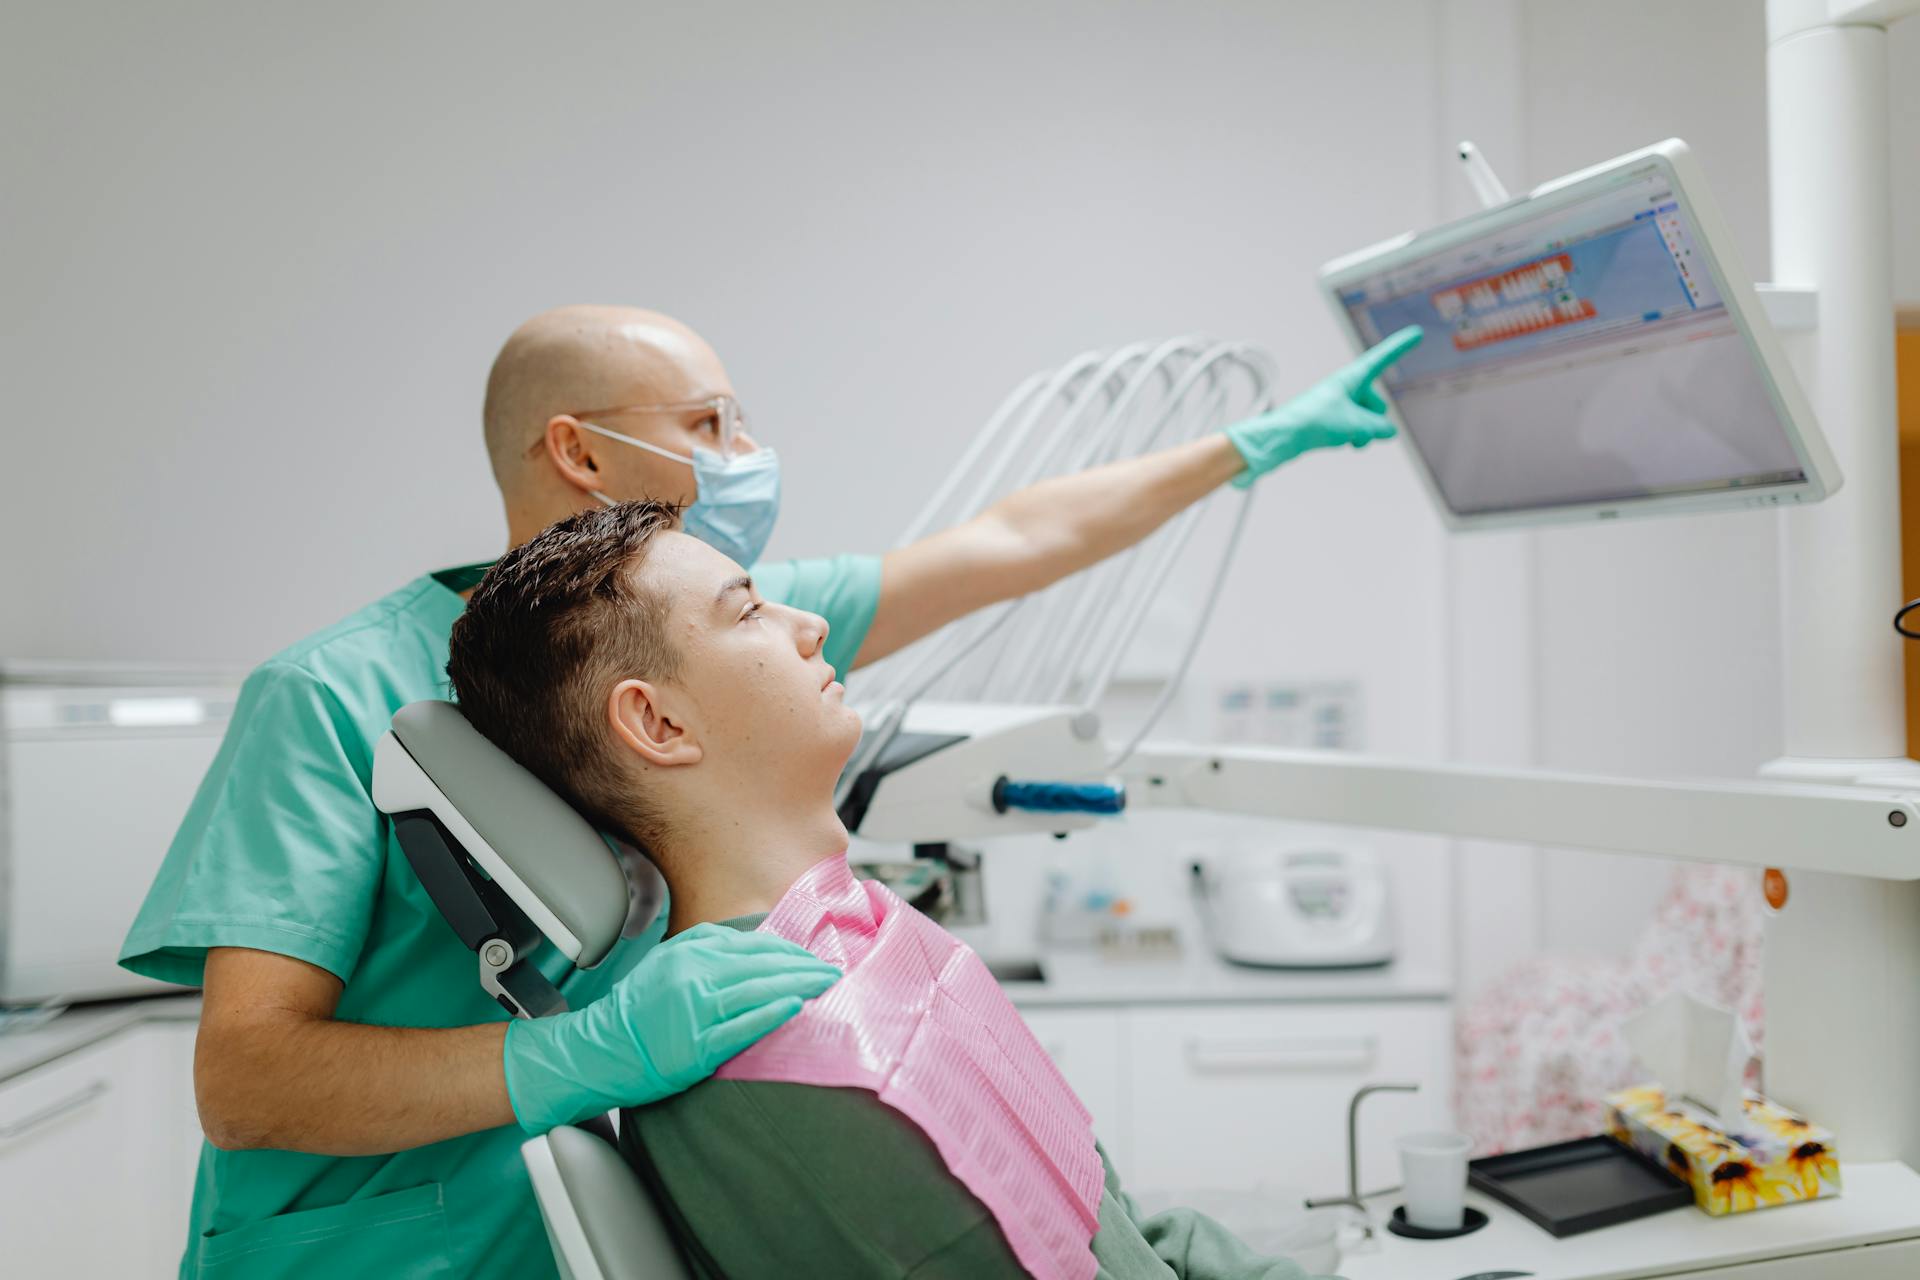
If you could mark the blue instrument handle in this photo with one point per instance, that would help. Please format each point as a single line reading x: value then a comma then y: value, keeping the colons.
x: 1058, y: 797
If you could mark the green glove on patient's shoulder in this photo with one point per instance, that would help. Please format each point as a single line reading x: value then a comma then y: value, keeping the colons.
x: 690, y: 1004
x: 1343, y: 408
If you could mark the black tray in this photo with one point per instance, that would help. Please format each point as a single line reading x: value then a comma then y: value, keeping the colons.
x: 1577, y: 1186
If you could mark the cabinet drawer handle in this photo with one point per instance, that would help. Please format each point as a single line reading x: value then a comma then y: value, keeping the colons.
x: 1221, y: 1056
x: 16, y: 1129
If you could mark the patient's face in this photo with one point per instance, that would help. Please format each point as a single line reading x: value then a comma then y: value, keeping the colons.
x: 758, y: 692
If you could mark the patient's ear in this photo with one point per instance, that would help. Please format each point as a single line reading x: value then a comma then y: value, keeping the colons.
x: 649, y: 726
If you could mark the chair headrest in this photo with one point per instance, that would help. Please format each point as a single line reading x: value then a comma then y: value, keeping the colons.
x: 534, y: 845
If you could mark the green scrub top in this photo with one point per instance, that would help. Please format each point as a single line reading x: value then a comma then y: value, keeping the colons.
x: 284, y: 851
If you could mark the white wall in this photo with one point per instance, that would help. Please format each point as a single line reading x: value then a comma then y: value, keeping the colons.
x: 260, y: 258
x: 267, y: 255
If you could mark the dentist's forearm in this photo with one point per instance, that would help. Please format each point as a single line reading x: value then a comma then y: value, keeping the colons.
x: 1068, y: 523
x: 274, y: 1069
x: 1034, y: 538
x: 344, y: 1089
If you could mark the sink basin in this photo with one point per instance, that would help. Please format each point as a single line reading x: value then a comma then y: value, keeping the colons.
x: 1016, y: 969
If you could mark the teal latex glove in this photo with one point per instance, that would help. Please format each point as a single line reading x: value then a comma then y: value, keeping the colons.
x: 1342, y: 408
x: 690, y: 1004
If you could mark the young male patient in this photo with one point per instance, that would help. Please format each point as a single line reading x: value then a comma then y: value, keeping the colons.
x: 635, y: 670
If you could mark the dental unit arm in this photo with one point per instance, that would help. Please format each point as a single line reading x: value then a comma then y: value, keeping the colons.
x: 989, y: 727
x: 992, y: 727
x: 938, y: 796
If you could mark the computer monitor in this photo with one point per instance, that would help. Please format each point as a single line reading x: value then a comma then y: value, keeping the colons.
x: 1593, y: 349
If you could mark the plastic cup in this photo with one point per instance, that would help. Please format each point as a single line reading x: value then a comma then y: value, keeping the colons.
x: 1434, y: 1168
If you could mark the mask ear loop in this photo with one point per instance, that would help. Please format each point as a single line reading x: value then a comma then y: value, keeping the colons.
x: 638, y: 444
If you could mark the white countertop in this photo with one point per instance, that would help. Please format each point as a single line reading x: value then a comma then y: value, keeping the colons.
x: 1879, y: 1203
x: 22, y: 1051
x: 1199, y: 977
x: 1072, y: 978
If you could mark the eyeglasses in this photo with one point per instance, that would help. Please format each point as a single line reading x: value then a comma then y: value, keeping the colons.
x: 723, y: 421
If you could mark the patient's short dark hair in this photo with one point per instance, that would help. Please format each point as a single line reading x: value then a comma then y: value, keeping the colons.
x: 548, y: 632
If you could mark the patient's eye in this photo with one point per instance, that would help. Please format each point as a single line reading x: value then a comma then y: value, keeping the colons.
x: 752, y: 611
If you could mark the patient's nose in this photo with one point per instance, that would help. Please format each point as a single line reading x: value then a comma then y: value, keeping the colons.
x: 810, y: 633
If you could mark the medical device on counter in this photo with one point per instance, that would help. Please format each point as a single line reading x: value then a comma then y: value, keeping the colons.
x: 98, y: 764
x: 1315, y: 907
x: 1593, y: 349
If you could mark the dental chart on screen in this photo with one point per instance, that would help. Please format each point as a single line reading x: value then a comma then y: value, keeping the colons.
x: 1586, y: 355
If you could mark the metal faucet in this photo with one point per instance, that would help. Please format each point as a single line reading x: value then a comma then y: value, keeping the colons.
x: 1353, y: 1196
x: 966, y: 899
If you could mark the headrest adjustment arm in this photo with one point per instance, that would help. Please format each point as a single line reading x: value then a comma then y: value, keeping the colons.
x: 485, y: 919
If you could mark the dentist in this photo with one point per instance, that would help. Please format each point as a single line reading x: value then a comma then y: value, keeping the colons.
x: 363, y: 1100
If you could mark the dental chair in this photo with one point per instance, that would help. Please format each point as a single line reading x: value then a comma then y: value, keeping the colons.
x: 508, y: 863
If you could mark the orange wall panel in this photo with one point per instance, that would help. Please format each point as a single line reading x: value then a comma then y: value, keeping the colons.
x: 1907, y: 354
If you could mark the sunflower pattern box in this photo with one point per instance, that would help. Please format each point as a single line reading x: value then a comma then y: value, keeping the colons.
x: 1776, y: 1157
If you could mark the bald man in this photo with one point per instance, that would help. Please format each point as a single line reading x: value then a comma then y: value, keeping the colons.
x: 363, y: 1099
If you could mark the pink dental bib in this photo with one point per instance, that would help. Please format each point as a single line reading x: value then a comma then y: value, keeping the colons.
x: 919, y: 1021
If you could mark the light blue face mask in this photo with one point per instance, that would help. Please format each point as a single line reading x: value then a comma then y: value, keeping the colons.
x: 738, y: 502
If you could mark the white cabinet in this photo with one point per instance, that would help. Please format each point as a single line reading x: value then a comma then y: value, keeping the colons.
x: 65, y: 1175
x: 1899, y: 1260
x: 98, y: 1148
x: 170, y: 1123
x: 1089, y: 1047
x: 96, y: 1158
x: 1231, y: 1096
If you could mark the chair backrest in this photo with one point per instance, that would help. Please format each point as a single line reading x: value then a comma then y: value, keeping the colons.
x: 600, y: 1218
x: 532, y: 844
x: 460, y: 803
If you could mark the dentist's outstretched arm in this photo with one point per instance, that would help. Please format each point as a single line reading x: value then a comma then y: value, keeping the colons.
x: 1034, y: 538
x: 273, y: 1067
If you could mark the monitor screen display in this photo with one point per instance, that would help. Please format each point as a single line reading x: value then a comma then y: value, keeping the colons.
x: 1583, y: 355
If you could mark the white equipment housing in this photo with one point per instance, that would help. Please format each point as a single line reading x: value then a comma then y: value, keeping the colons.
x: 73, y: 870
x: 974, y: 745
x: 1309, y: 907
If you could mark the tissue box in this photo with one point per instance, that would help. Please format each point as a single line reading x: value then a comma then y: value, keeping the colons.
x: 1775, y: 1157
